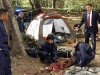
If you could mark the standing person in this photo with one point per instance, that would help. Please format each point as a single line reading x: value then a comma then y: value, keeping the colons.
x: 5, y: 62
x: 90, y: 18
x: 83, y: 53
x: 20, y: 21
x: 48, y: 50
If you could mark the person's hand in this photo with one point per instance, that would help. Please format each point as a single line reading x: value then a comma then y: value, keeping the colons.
x: 76, y: 28
x: 93, y: 53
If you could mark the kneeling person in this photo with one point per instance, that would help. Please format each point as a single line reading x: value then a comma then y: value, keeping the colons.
x: 48, y: 50
x: 83, y: 53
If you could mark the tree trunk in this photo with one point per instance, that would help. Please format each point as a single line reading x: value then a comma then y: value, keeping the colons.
x: 16, y: 43
x: 54, y: 3
x: 1, y: 5
x: 33, y: 9
x: 46, y: 4
x: 32, y: 5
x: 37, y: 6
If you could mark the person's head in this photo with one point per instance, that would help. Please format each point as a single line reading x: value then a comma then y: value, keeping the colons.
x: 21, y: 14
x: 3, y: 14
x: 50, y: 38
x: 89, y: 7
x: 72, y: 42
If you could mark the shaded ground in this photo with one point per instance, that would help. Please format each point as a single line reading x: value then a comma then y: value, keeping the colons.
x: 21, y: 65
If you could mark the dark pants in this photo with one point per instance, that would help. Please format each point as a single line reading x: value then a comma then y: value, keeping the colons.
x: 5, y: 67
x: 89, y: 34
x: 44, y: 55
x: 8, y: 65
x: 2, y: 63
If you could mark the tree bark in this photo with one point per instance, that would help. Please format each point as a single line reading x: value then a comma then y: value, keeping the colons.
x: 37, y: 6
x: 33, y: 9
x: 31, y: 4
x: 1, y: 5
x: 46, y: 4
x: 16, y: 42
x: 54, y: 3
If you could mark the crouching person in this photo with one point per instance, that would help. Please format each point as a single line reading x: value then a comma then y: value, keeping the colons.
x: 48, y: 50
x: 83, y: 53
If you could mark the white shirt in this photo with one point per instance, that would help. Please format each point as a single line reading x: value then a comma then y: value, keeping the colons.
x: 90, y: 17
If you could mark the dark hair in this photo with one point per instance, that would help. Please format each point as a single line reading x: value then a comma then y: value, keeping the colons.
x: 3, y: 11
x: 50, y: 36
x: 89, y: 5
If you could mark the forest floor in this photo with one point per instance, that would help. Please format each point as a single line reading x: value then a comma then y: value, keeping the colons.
x: 24, y: 65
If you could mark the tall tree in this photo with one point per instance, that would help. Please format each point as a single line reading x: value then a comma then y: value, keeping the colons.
x: 54, y: 3
x: 37, y: 6
x: 16, y: 43
x: 33, y: 9
x: 32, y: 4
x: 1, y: 5
x: 46, y: 4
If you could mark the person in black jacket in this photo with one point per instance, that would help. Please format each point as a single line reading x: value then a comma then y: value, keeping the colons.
x: 20, y: 21
x: 48, y: 50
x: 83, y: 53
x: 5, y: 62
x: 90, y: 18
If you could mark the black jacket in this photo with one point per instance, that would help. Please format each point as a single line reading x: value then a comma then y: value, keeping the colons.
x: 49, y: 48
x: 3, y: 37
x: 21, y: 24
x: 95, y: 18
x: 85, y: 53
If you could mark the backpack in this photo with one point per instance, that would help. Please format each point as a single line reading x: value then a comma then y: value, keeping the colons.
x: 64, y: 53
x: 32, y: 52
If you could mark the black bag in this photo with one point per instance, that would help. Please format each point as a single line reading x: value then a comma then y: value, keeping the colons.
x: 32, y: 52
x: 64, y: 53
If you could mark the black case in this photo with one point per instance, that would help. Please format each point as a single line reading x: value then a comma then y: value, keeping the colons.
x: 64, y: 53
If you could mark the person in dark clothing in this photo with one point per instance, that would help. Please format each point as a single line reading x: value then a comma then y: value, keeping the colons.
x: 48, y: 50
x: 5, y: 62
x: 90, y: 18
x: 20, y: 22
x: 83, y: 53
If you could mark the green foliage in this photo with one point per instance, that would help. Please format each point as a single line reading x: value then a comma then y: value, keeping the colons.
x: 79, y: 5
x: 29, y: 41
x: 69, y: 5
x: 20, y: 3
